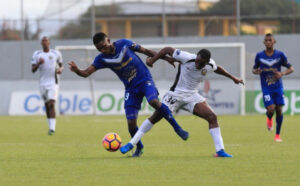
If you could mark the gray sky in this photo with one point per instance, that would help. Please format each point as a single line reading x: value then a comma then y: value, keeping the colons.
x: 10, y: 9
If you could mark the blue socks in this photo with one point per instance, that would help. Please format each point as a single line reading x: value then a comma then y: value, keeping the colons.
x: 167, y: 114
x: 278, y: 123
x: 132, y: 133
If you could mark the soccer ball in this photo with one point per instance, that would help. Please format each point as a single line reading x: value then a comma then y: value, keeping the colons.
x: 111, y: 142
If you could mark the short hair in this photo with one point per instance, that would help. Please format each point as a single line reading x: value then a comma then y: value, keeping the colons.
x: 98, y: 37
x: 269, y: 35
x: 204, y: 53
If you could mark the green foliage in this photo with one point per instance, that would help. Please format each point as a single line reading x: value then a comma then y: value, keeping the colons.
x: 74, y: 155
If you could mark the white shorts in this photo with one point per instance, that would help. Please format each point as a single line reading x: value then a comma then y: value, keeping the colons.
x: 49, y: 93
x: 186, y: 101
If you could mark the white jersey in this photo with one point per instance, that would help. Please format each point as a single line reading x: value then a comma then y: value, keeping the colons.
x: 188, y: 78
x: 48, y: 76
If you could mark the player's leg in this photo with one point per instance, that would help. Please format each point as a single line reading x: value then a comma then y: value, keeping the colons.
x: 204, y: 111
x: 52, y: 116
x: 45, y: 95
x: 279, y: 101
x: 144, y: 128
x: 51, y: 97
x: 132, y: 106
x: 270, y: 107
x: 151, y: 95
x: 279, y: 119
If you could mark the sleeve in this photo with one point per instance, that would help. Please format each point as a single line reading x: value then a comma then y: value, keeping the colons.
x: 183, y: 56
x: 59, y: 57
x: 98, y: 63
x: 34, y: 59
x: 132, y: 45
x: 256, y: 62
x: 213, y: 64
x: 285, y: 62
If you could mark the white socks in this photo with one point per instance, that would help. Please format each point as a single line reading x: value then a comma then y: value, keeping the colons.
x: 218, y: 140
x: 145, y: 127
x: 52, y: 123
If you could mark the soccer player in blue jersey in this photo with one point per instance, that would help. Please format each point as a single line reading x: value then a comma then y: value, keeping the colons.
x: 268, y: 65
x: 120, y: 57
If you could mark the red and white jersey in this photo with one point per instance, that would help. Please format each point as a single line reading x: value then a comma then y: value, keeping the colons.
x: 48, y: 75
x: 188, y: 78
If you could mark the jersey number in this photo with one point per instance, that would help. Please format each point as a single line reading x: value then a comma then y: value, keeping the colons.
x: 171, y: 100
x: 267, y: 98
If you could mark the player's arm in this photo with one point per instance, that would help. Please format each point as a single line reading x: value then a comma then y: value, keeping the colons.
x: 220, y: 70
x: 256, y: 70
x: 152, y: 53
x: 289, y: 70
x: 60, y: 68
x: 83, y: 73
x: 165, y: 54
x: 34, y: 67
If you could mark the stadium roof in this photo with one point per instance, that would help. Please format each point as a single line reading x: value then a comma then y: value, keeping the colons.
x: 138, y: 8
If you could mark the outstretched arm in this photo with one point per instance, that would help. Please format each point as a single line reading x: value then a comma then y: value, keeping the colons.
x: 83, y: 73
x: 162, y: 54
x: 222, y: 71
x: 152, y: 53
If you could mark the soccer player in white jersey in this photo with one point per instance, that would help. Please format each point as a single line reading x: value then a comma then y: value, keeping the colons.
x: 184, y: 93
x: 49, y: 63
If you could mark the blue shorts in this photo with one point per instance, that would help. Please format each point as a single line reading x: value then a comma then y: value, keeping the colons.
x: 273, y: 97
x: 134, y: 98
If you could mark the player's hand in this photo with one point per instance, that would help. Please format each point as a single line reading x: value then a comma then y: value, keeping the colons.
x: 72, y: 66
x: 41, y: 61
x: 257, y: 71
x: 278, y: 74
x: 149, y: 62
x: 238, y: 81
x: 59, y: 70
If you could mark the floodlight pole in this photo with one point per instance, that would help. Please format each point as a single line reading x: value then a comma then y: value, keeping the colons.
x: 22, y: 39
x: 93, y: 18
x: 163, y: 21
x: 238, y: 18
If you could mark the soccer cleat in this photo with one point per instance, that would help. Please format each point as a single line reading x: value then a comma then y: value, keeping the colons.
x: 124, y: 149
x: 277, y: 138
x: 138, y: 152
x: 223, y: 154
x: 51, y: 132
x: 182, y: 133
x: 269, y: 124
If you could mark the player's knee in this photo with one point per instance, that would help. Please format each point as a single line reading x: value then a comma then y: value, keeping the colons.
x: 155, y: 103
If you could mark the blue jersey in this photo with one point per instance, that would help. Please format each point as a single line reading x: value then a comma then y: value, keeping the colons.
x: 269, y: 64
x: 125, y: 63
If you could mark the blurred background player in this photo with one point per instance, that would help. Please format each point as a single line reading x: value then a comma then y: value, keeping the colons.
x: 120, y: 57
x: 49, y: 62
x: 184, y: 93
x: 268, y: 65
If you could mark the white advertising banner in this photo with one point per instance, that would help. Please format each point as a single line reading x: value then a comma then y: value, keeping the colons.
x: 223, y: 97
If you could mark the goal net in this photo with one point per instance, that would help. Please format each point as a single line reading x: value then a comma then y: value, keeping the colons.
x: 106, y: 92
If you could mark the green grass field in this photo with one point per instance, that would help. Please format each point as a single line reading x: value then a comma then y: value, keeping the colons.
x: 75, y: 156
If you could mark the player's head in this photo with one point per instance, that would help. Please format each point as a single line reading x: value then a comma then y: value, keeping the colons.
x: 102, y: 43
x: 45, y: 43
x: 203, y: 57
x: 269, y: 41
